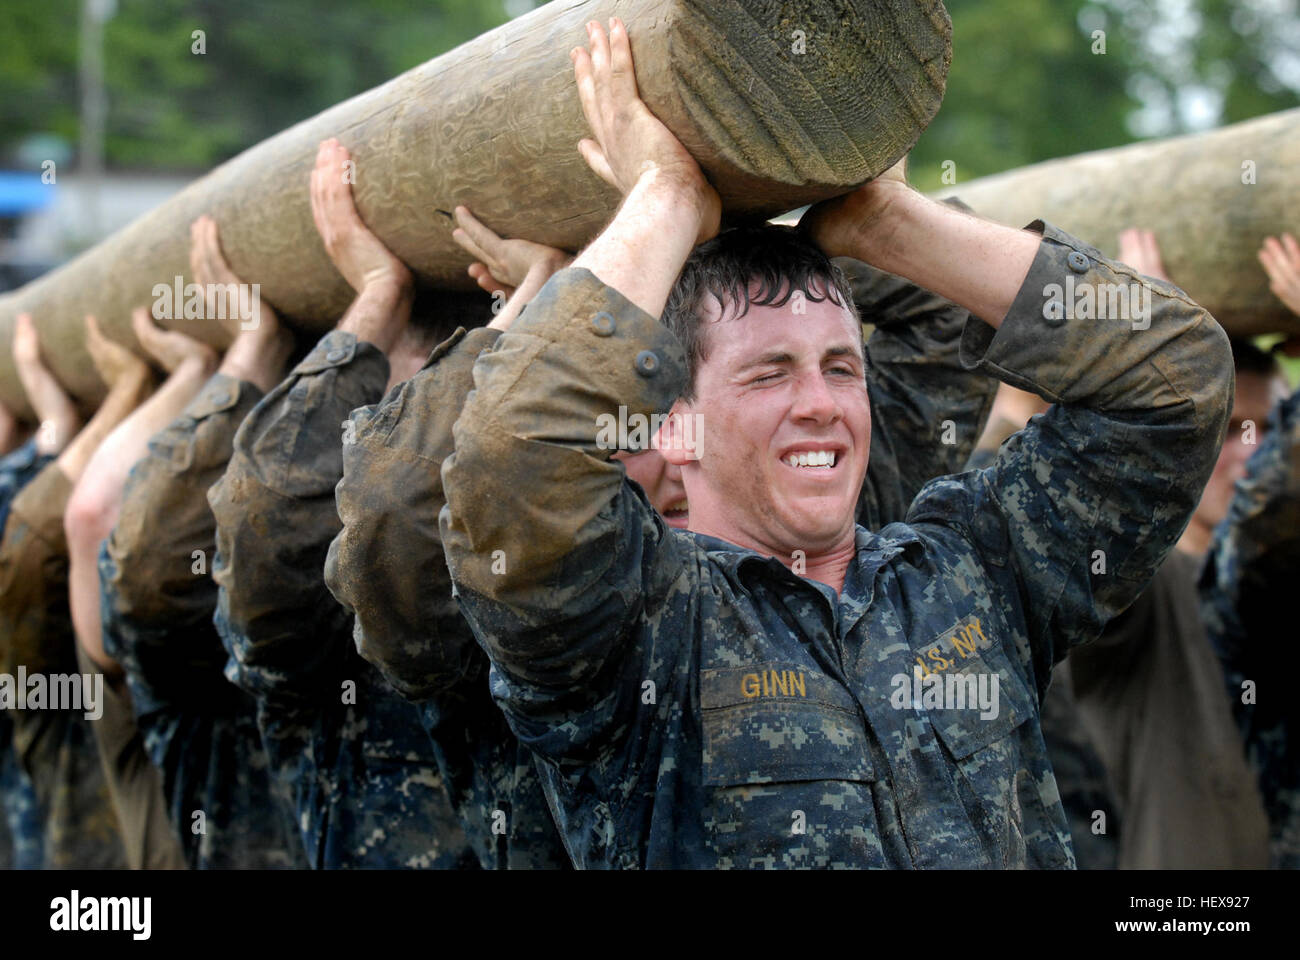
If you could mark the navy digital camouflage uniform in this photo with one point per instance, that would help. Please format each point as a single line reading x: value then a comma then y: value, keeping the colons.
x: 1245, y: 595
x: 366, y: 785
x: 21, y: 843
x: 17, y: 469
x: 157, y: 601
x: 695, y: 704
x: 1081, y: 778
x: 386, y: 567
x: 55, y: 748
x: 411, y: 628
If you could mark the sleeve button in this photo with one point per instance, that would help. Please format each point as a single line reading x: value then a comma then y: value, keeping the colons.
x: 1078, y: 262
x: 603, y: 324
x: 334, y: 356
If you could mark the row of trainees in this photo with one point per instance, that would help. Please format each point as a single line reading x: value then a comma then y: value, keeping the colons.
x: 402, y: 608
x: 1147, y: 752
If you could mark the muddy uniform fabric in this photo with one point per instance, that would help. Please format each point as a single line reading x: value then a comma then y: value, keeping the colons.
x: 365, y: 782
x: 157, y: 601
x: 411, y: 628
x: 21, y: 843
x: 134, y: 783
x: 1081, y: 779
x: 1087, y: 794
x: 695, y: 704
x: 22, y: 846
x: 386, y: 566
x: 1150, y: 694
x: 17, y: 469
x: 56, y: 749
x: 1246, y: 589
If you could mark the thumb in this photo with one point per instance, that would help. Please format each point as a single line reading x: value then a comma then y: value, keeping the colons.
x: 595, y: 157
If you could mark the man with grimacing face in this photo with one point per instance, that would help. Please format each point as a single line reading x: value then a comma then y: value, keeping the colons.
x: 926, y: 408
x: 786, y: 422
x: 387, y: 568
x: 778, y: 687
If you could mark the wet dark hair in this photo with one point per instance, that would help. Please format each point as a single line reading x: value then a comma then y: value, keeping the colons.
x: 780, y: 260
x: 1248, y: 358
x: 437, y: 313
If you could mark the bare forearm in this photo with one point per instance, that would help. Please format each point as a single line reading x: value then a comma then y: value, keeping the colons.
x: 121, y: 400
x: 129, y: 441
x: 97, y: 500
x: 380, y: 313
x: 251, y: 361
x: 976, y: 264
x: 642, y: 251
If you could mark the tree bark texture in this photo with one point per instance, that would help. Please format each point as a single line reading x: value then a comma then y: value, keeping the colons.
x: 1211, y: 199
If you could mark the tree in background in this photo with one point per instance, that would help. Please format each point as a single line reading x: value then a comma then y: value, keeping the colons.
x: 1028, y: 80
x: 1033, y: 81
x: 264, y: 65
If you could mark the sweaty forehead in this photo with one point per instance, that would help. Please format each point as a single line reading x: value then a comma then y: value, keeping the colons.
x: 808, y: 333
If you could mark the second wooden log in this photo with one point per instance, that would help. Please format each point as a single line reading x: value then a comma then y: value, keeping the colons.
x: 1210, y: 198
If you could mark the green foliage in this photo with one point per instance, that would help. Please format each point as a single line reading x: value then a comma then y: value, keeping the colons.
x: 1025, y: 83
x: 38, y: 69
x: 266, y: 66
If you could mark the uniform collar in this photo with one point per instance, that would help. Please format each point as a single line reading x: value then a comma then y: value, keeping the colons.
x: 874, y: 550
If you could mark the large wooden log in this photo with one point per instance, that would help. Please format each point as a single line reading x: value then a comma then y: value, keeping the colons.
x: 783, y: 103
x: 1195, y: 192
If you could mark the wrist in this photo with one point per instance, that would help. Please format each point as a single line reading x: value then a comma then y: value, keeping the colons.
x: 131, y: 384
x: 50, y: 438
x: 390, y: 284
x: 379, y: 315
x: 264, y: 376
x: 197, y: 366
x: 884, y: 208
x: 685, y: 193
x: 542, y: 271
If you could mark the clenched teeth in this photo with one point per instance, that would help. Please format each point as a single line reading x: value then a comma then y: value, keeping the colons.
x: 813, y: 458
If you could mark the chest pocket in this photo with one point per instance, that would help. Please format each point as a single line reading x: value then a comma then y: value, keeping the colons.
x: 780, y: 723
x: 984, y: 703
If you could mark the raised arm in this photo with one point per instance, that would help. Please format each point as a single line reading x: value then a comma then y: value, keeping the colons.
x: 35, y: 631
x: 386, y: 566
x: 927, y: 409
x: 551, y: 550
x: 668, y: 205
x: 977, y: 264
x: 56, y: 414
x: 1080, y: 509
x: 57, y: 419
x: 158, y: 594
x: 274, y: 507
x: 97, y: 499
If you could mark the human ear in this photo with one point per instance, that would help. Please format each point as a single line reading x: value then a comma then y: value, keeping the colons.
x: 680, y: 439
